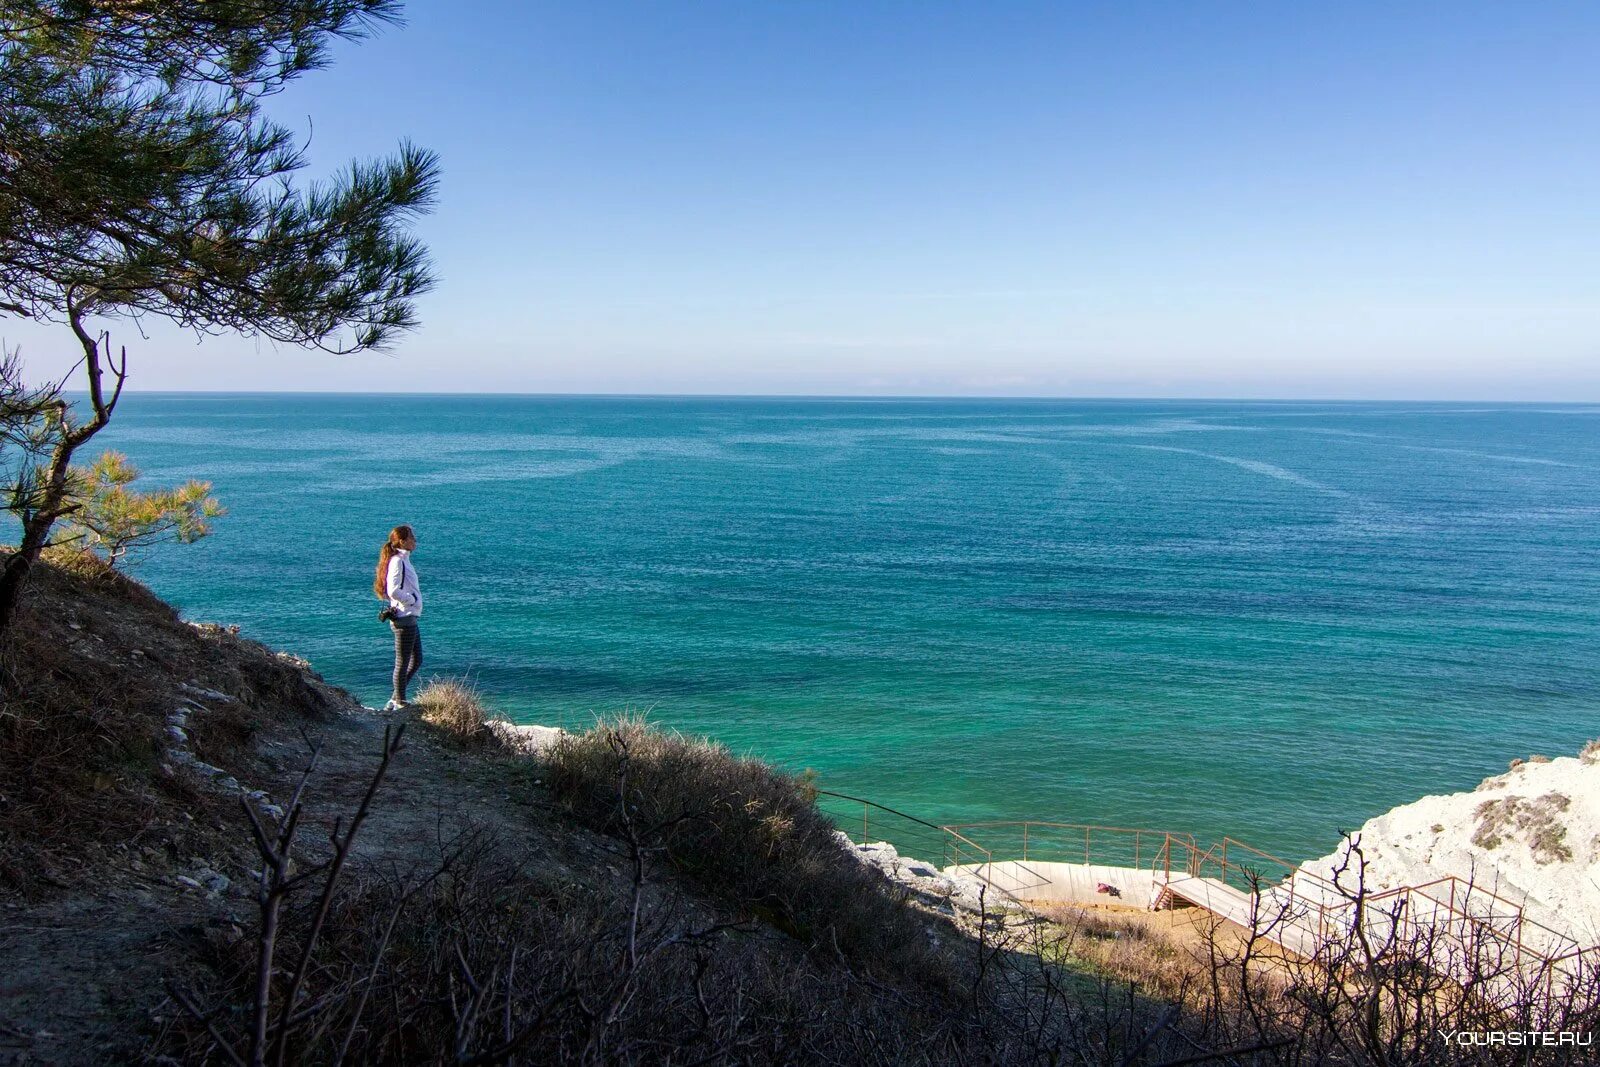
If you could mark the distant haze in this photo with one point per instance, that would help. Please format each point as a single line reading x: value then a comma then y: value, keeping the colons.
x: 1366, y: 201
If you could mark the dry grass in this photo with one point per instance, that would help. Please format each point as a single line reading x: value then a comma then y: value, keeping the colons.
x: 454, y: 707
x: 1126, y: 946
x: 86, y: 684
x: 1167, y: 954
x: 747, y: 833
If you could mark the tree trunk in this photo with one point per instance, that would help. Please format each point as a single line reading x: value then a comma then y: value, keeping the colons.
x: 15, y: 574
x: 41, y: 513
x: 36, y: 526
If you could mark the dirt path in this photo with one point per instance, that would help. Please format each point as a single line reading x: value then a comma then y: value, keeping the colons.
x: 81, y: 975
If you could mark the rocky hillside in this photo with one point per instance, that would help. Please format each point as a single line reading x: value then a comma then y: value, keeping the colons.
x: 496, y: 905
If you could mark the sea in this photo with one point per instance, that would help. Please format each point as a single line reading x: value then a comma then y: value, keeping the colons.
x: 1270, y: 621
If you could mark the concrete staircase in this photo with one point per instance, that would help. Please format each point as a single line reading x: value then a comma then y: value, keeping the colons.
x: 1293, y: 921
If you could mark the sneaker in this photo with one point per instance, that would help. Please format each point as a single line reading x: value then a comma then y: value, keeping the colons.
x: 396, y: 705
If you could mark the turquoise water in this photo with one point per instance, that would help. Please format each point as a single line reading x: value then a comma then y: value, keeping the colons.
x: 1266, y: 619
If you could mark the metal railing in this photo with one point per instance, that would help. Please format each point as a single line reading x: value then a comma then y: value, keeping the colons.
x: 999, y: 852
x: 1245, y: 875
x: 1064, y: 842
x: 867, y: 822
x: 1485, y: 915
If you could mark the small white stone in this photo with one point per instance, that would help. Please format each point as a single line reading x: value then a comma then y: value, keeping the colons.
x: 213, y: 882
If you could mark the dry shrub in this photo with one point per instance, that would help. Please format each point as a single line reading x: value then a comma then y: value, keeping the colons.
x: 489, y: 953
x: 80, y: 729
x: 455, y: 707
x: 746, y: 832
x: 491, y: 957
x: 1538, y: 821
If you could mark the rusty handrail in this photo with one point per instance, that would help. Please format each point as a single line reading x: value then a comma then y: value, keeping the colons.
x: 1456, y: 907
x: 1030, y: 837
x: 1487, y: 921
x: 924, y: 834
x: 880, y: 807
x: 1070, y: 826
x: 1280, y: 861
x: 955, y: 848
x: 1472, y: 889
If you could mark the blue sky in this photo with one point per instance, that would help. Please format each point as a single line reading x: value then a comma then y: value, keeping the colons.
x: 1137, y: 199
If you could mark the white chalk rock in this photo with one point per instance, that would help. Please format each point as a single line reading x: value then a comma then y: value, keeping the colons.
x: 1531, y: 835
x: 527, y: 738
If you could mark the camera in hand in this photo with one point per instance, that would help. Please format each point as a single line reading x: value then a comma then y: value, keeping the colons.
x: 386, y: 615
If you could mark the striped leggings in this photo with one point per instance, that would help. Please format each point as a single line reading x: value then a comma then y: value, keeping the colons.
x: 407, y: 655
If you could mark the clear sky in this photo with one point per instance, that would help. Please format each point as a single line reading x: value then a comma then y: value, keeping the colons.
x: 1137, y: 199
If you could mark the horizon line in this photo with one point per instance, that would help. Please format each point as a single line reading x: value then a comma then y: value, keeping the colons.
x: 991, y: 397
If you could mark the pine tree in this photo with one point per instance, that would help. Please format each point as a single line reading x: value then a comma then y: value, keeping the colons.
x: 140, y: 178
x: 110, y: 516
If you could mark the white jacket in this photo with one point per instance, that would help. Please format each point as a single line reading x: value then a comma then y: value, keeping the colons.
x: 405, y: 596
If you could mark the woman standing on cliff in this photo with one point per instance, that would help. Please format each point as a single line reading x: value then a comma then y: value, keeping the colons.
x: 396, y: 582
